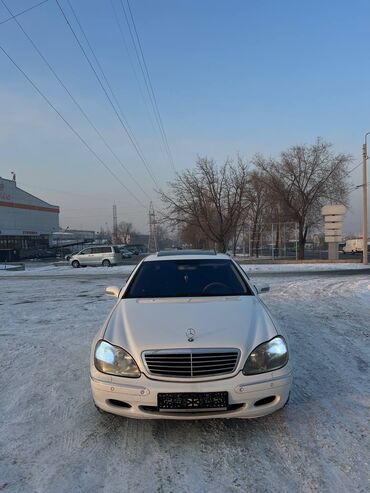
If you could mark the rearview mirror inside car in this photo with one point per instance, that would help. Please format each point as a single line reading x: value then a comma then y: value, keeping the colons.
x: 112, y: 291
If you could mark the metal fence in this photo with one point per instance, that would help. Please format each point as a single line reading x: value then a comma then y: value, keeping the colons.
x: 277, y: 241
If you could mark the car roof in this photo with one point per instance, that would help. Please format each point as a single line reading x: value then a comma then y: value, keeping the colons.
x: 186, y: 255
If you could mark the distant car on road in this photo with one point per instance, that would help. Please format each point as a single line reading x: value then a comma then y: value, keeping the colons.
x: 106, y: 255
x: 125, y: 253
x: 189, y: 338
x: 69, y: 255
x: 132, y: 249
x: 355, y: 246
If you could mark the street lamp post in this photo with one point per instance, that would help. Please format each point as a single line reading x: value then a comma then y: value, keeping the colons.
x: 364, y: 201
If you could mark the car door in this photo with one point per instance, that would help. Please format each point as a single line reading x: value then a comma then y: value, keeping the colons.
x: 96, y: 256
x: 83, y: 256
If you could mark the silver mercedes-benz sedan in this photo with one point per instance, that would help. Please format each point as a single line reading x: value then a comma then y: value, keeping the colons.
x: 189, y: 338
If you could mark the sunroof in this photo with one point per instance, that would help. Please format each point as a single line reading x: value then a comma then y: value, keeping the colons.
x: 167, y: 253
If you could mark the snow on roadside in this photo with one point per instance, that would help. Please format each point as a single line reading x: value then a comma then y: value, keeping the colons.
x: 53, y: 269
x: 41, y: 269
x: 250, y: 268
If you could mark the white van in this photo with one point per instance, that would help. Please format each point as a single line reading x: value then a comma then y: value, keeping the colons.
x: 106, y: 256
x: 354, y: 246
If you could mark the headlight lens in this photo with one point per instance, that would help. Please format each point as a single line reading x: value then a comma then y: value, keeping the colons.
x: 268, y: 356
x: 115, y: 361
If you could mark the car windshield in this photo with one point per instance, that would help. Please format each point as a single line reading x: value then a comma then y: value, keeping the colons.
x: 183, y: 278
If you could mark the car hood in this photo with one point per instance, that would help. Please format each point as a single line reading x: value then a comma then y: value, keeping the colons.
x: 240, y: 322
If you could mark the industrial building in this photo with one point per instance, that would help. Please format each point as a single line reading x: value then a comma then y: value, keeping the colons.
x: 72, y: 237
x: 26, y: 222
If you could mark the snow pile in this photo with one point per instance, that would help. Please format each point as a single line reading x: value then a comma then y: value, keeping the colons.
x: 251, y: 268
x: 67, y: 270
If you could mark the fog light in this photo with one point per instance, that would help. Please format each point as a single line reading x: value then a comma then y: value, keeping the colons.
x: 265, y: 400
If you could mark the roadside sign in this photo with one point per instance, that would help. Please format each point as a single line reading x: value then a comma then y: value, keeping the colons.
x: 337, y: 225
x: 329, y: 210
x: 334, y: 234
x: 333, y: 239
x: 334, y: 218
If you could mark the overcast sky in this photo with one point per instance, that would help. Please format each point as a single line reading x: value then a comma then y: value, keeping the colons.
x: 229, y: 76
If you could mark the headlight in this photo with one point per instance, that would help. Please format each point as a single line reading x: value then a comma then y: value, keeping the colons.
x: 115, y: 361
x: 268, y: 356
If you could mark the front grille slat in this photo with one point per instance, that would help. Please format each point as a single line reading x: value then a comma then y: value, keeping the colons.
x: 188, y: 363
x: 213, y: 365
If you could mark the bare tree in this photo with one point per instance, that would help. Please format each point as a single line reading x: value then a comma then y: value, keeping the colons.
x: 192, y: 237
x: 209, y: 198
x: 125, y: 231
x: 258, y: 203
x: 304, y: 179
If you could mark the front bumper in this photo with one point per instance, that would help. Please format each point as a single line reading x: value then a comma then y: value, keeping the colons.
x: 137, y: 398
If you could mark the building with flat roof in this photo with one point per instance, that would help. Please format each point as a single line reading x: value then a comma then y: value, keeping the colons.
x: 26, y: 222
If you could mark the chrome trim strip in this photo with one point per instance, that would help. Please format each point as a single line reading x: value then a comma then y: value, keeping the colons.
x: 190, y: 352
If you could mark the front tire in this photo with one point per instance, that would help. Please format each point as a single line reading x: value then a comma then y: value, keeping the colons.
x: 106, y: 263
x: 76, y: 264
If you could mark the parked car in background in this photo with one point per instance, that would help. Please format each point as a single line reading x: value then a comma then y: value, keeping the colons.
x: 37, y: 253
x: 341, y: 246
x: 355, y: 246
x: 105, y: 255
x: 125, y: 253
x: 134, y: 250
x: 189, y: 338
x: 69, y: 255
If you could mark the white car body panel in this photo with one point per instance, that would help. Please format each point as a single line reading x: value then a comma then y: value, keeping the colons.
x: 355, y: 246
x: 239, y: 322
x: 233, y: 322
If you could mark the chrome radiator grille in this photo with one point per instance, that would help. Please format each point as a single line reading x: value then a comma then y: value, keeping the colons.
x: 187, y: 363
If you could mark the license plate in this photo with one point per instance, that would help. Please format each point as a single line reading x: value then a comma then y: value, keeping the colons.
x: 194, y: 401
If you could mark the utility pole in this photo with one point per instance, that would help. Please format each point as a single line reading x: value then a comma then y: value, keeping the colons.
x: 115, y: 224
x: 364, y: 202
x: 152, y: 242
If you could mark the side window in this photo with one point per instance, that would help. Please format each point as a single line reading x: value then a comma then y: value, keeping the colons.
x: 103, y: 249
x: 95, y: 250
x: 85, y: 251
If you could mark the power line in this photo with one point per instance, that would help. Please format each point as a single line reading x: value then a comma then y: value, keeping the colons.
x: 82, y: 111
x: 38, y: 90
x: 147, y: 79
x: 357, y: 187
x: 14, y: 16
x: 348, y: 173
x: 125, y: 44
x: 153, y: 99
x: 121, y: 118
x: 103, y: 73
x: 353, y: 169
x: 131, y: 138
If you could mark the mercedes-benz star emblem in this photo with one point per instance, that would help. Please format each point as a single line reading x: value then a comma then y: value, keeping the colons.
x: 190, y: 333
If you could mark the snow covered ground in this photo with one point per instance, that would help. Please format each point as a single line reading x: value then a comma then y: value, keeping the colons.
x: 48, y: 269
x: 252, y: 268
x: 51, y: 269
x: 53, y: 440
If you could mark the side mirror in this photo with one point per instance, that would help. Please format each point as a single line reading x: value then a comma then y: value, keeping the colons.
x: 262, y: 288
x: 112, y: 291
